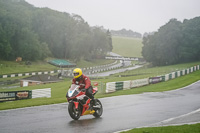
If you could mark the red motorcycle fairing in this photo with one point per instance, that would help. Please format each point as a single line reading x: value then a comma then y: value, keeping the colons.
x: 85, y: 106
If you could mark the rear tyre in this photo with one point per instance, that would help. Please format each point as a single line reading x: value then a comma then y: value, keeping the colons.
x: 99, y: 110
x: 73, y: 112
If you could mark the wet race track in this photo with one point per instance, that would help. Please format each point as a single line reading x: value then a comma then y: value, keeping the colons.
x: 120, y: 113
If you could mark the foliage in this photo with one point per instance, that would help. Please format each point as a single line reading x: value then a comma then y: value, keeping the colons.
x: 36, y: 33
x: 174, y: 43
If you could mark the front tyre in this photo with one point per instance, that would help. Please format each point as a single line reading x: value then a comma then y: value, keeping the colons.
x: 73, y: 112
x: 98, y: 109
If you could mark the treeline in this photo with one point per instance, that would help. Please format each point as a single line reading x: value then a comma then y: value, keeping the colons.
x: 36, y: 33
x: 175, y: 42
x: 126, y: 33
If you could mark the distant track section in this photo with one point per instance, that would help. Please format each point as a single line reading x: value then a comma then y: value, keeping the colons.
x: 123, y: 58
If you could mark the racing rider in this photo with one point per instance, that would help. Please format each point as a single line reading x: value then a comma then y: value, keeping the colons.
x: 84, y: 82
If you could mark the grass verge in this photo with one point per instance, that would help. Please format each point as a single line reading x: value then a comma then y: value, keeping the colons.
x: 195, y: 128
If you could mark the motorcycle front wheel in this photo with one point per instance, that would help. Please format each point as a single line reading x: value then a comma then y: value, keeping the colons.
x: 98, y: 110
x: 73, y: 112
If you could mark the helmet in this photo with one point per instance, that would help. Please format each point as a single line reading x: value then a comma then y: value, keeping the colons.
x: 77, y: 73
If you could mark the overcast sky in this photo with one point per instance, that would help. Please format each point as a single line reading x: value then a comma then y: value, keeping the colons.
x: 137, y: 15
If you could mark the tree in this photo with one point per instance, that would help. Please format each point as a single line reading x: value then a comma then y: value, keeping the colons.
x: 191, y: 40
x: 35, y: 33
x: 174, y: 42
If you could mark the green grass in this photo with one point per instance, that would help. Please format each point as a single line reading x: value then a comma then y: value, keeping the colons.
x: 195, y: 128
x: 10, y: 67
x: 129, y: 47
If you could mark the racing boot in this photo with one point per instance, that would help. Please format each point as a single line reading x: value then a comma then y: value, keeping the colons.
x: 94, y: 103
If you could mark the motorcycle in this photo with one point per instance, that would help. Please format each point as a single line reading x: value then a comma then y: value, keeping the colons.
x: 80, y: 104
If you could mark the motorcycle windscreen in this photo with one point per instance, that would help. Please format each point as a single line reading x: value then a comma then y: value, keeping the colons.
x: 73, y: 90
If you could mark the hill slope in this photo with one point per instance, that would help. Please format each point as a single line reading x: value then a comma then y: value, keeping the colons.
x: 125, y: 46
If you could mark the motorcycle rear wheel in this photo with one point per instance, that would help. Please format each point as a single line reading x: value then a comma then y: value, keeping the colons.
x: 98, y: 111
x: 73, y: 112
